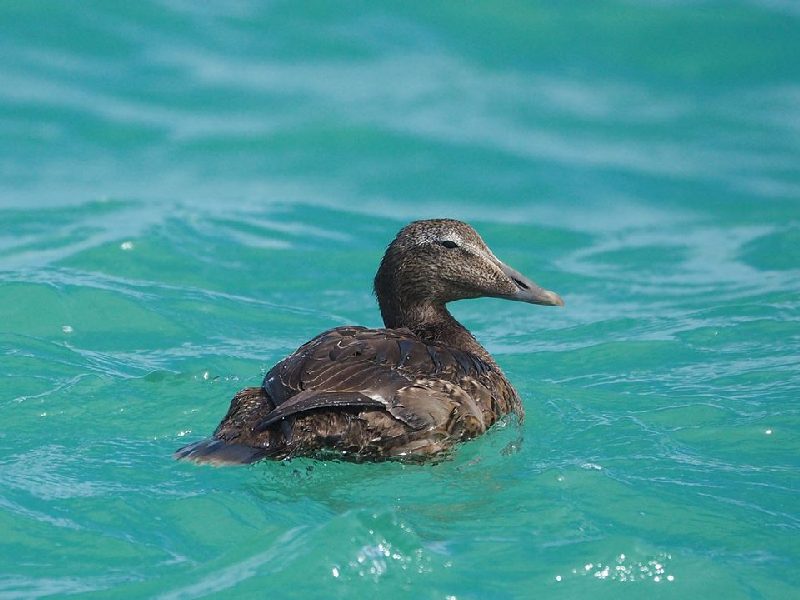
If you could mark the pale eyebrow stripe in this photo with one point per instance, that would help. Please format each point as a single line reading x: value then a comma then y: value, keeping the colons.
x: 453, y: 237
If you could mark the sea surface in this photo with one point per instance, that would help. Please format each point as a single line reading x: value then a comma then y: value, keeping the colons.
x: 190, y: 190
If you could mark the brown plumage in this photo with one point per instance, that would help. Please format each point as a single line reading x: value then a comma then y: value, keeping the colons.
x: 409, y: 391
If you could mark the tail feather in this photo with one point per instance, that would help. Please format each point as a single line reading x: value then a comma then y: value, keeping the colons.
x: 218, y: 453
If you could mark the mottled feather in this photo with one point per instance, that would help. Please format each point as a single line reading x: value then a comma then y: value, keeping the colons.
x: 409, y: 391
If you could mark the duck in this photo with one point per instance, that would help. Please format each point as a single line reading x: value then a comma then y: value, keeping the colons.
x: 409, y: 391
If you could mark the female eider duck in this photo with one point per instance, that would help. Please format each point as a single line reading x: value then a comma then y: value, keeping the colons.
x: 409, y: 391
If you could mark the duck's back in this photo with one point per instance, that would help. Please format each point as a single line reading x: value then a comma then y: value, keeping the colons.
x: 369, y: 393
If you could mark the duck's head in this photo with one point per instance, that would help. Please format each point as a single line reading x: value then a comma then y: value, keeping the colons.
x: 437, y: 261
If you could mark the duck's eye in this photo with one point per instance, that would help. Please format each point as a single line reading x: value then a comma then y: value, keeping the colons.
x: 448, y: 243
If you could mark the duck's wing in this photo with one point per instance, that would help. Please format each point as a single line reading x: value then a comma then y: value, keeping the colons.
x: 312, y: 399
x: 415, y: 382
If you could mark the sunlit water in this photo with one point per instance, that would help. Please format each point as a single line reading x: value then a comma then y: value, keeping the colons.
x: 189, y: 192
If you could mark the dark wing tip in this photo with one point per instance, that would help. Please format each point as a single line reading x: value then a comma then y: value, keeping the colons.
x: 308, y: 400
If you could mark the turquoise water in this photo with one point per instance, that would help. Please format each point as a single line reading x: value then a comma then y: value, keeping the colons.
x: 189, y: 191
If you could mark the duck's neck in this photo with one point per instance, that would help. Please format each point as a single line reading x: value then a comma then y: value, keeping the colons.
x: 432, y: 322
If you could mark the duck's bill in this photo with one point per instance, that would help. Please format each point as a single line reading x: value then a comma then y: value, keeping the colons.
x: 528, y: 291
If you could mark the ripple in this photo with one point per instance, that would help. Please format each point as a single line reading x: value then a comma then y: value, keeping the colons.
x: 271, y: 560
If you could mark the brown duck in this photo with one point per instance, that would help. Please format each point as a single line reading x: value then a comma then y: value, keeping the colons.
x: 409, y: 391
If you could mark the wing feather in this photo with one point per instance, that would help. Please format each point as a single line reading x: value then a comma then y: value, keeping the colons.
x: 383, y: 369
x: 310, y: 400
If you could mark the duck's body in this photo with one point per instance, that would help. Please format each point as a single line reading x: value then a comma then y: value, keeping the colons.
x: 411, y: 390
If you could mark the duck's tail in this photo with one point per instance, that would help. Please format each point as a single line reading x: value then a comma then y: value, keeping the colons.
x: 213, y: 451
x: 247, y: 406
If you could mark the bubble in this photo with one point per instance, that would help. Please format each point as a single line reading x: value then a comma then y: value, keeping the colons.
x: 558, y: 577
x: 126, y: 245
x: 67, y: 328
x: 624, y: 568
x: 768, y: 432
x: 335, y: 572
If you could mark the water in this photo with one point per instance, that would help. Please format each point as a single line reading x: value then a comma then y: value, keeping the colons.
x: 189, y: 191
